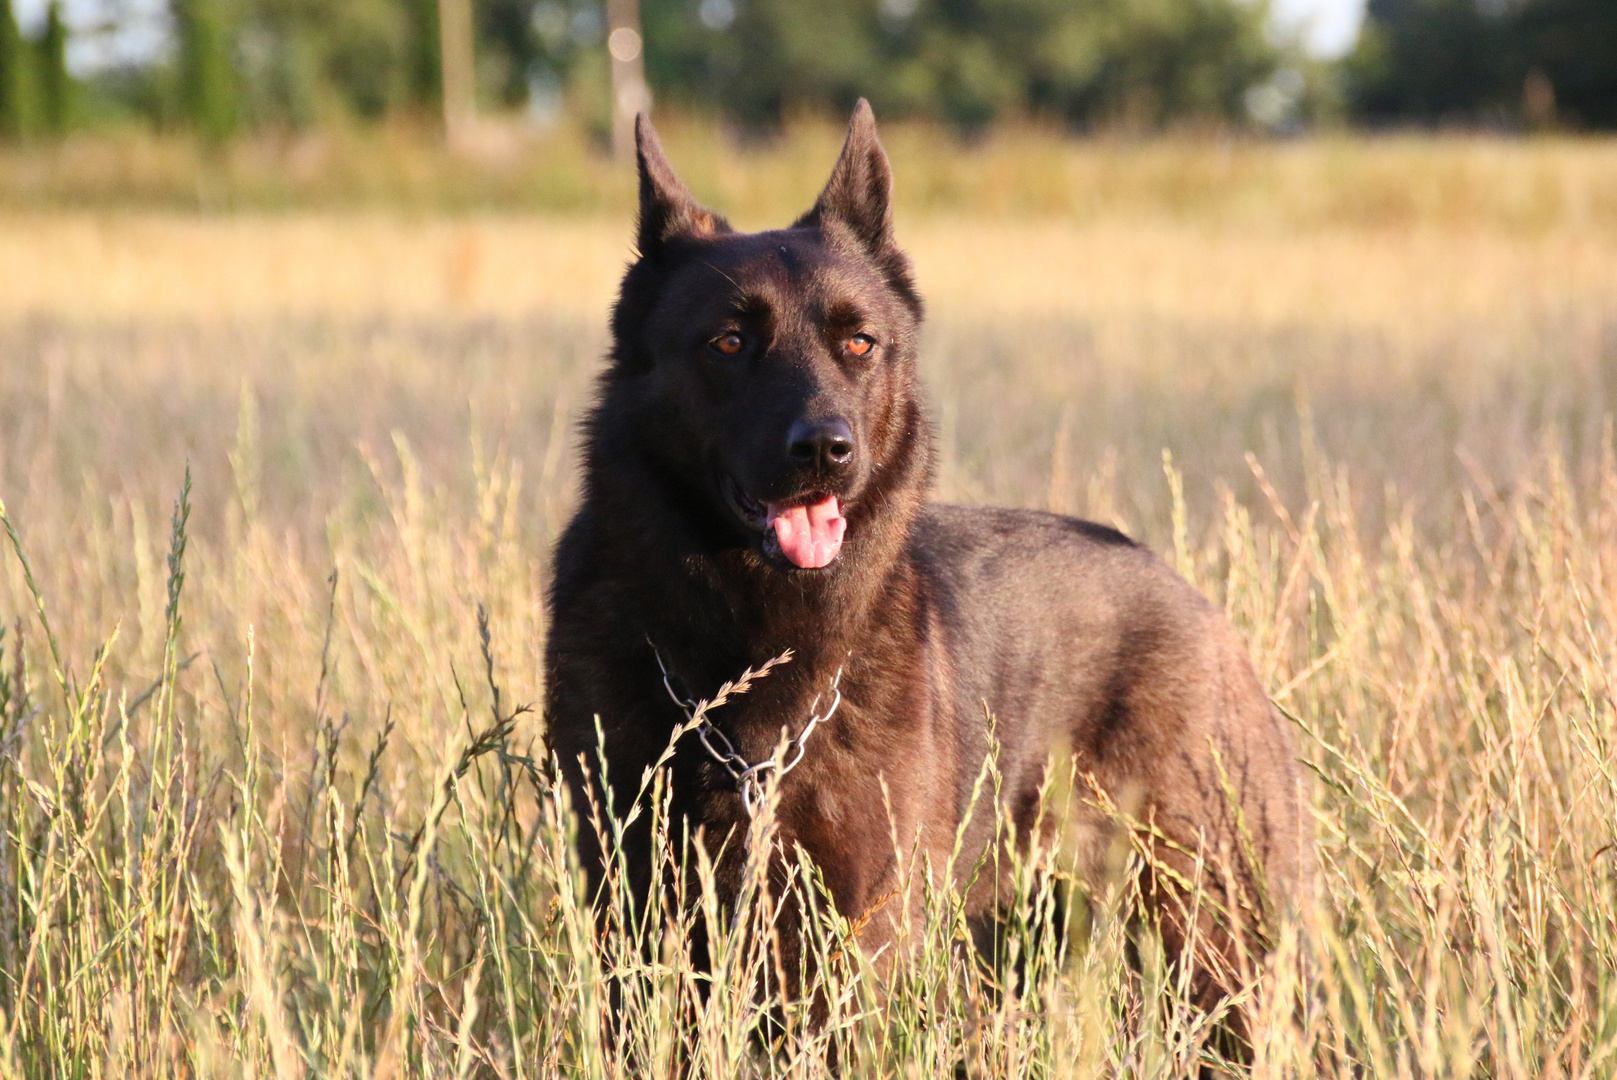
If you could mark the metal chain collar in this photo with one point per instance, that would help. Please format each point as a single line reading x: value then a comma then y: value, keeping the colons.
x: 749, y: 777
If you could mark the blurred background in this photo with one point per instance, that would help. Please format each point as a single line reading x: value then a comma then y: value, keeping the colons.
x: 220, y: 68
x: 225, y: 67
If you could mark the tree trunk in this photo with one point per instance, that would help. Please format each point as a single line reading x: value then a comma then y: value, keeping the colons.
x: 459, y: 73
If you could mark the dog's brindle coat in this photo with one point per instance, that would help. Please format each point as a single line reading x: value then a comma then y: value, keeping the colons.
x: 774, y: 369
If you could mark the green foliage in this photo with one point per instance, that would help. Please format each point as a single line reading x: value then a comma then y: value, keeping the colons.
x: 209, y: 92
x: 508, y: 47
x: 1470, y: 60
x: 1433, y: 59
x: 317, y: 60
x: 55, y: 85
x: 366, y: 48
x: 968, y: 61
x: 1574, y: 44
x: 15, y: 84
x: 1154, y: 60
x: 425, y: 74
x: 1140, y: 64
x: 778, y: 54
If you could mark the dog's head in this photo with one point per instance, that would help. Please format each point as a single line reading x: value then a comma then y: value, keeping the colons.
x: 773, y: 373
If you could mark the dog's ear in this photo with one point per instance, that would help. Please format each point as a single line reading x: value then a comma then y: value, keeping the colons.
x: 859, y: 193
x: 859, y: 199
x: 667, y: 208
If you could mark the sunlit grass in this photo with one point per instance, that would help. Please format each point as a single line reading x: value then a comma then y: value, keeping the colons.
x: 1013, y: 171
x: 264, y: 812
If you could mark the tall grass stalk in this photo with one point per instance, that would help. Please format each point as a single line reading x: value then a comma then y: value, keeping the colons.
x: 270, y: 803
x: 185, y: 892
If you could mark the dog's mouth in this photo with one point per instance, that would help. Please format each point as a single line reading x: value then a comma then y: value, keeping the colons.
x: 806, y: 530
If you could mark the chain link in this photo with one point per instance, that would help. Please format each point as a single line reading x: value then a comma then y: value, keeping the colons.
x: 748, y: 776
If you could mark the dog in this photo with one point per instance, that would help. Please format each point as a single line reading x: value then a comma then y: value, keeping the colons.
x: 755, y: 476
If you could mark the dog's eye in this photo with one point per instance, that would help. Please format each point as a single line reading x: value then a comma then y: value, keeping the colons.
x: 729, y: 343
x: 860, y: 344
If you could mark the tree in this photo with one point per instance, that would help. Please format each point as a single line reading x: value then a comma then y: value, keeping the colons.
x: 1085, y: 62
x: 1573, y: 44
x: 1477, y: 60
x: 208, y: 90
x: 1432, y: 60
x: 55, y: 85
x: 1147, y: 62
x: 15, y: 84
x: 458, y: 63
x: 968, y: 61
x: 316, y: 60
x: 425, y: 74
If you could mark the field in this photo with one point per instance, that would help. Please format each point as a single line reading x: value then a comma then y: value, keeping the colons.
x: 280, y: 484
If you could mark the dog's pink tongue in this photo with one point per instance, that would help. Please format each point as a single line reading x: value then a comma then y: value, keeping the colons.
x: 809, y: 535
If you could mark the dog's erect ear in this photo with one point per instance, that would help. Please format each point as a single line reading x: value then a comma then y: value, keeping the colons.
x: 667, y: 208
x: 859, y: 193
x: 859, y: 199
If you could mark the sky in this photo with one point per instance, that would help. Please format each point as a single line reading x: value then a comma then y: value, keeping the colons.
x: 1327, y: 28
x: 142, y: 30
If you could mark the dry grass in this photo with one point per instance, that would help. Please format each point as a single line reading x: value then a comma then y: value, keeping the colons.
x: 1524, y: 186
x: 283, y: 825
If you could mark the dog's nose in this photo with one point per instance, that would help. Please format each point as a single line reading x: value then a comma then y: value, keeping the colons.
x: 822, y: 443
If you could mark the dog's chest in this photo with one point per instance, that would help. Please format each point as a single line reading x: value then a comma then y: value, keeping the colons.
x: 875, y: 786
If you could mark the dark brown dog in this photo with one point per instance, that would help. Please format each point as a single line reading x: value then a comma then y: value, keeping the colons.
x: 755, y: 481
